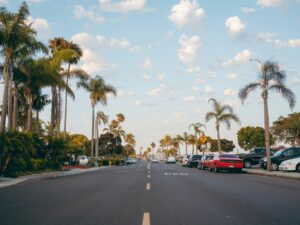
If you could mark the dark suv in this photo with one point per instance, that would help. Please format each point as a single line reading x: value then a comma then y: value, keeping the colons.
x: 193, y: 160
x: 280, y: 156
x: 254, y: 156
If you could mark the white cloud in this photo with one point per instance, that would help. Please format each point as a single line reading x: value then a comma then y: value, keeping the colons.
x: 123, y: 6
x: 124, y: 94
x: 193, y: 70
x: 190, y: 45
x: 154, y: 92
x: 139, y: 103
x: 294, y: 43
x: 147, y: 64
x: 296, y: 81
x: 270, y: 38
x: 180, y: 114
x: 233, y: 76
x: 3, y: 2
x: 161, y: 77
x: 212, y: 74
x: 247, y: 10
x: 146, y: 77
x: 234, y: 25
x: 124, y: 43
x: 189, y: 99
x: 208, y: 90
x: 270, y: 3
x: 81, y: 12
x: 230, y: 92
x: 186, y: 13
x: 40, y: 25
x: 239, y: 58
x: 199, y: 81
x: 232, y: 103
x: 195, y: 88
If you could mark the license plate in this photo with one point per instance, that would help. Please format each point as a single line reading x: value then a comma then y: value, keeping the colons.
x: 231, y: 166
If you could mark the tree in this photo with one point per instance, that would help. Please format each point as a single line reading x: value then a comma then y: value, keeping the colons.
x: 193, y: 142
x: 287, y: 129
x: 15, y: 38
x: 98, y: 90
x: 166, y: 142
x: 251, y: 137
x: 130, y: 144
x: 101, y: 118
x: 227, y: 145
x: 271, y: 78
x: 197, y: 129
x: 221, y: 114
x: 185, y: 139
x: 153, y: 145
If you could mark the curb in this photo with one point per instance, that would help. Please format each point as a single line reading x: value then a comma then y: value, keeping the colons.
x: 273, y: 174
x: 13, y: 181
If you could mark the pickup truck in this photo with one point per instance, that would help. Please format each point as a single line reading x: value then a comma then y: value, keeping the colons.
x: 254, y: 156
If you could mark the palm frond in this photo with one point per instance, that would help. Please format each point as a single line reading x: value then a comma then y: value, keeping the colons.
x: 210, y: 115
x: 244, y: 92
x: 285, y: 92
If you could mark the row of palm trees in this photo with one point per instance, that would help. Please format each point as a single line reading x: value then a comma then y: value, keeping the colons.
x: 25, y: 77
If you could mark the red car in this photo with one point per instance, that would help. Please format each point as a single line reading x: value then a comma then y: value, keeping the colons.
x: 226, y: 162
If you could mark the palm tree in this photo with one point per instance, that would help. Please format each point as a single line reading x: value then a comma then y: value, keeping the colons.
x: 153, y: 145
x: 166, y: 141
x: 98, y: 90
x: 271, y: 78
x: 185, y: 139
x: 179, y: 140
x: 197, y: 129
x: 176, y: 144
x: 192, y: 141
x: 101, y: 118
x: 222, y: 114
x: 120, y: 118
x: 15, y: 38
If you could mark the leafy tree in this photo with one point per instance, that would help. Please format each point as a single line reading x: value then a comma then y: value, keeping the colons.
x: 101, y: 118
x: 287, y: 129
x: 250, y: 137
x: 110, y: 144
x: 271, y: 78
x: 193, y: 142
x: 227, y: 145
x: 221, y: 114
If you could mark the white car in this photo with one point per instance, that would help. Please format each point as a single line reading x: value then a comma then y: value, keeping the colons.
x: 171, y: 160
x: 154, y: 160
x: 290, y: 165
x: 185, y: 160
x: 82, y: 160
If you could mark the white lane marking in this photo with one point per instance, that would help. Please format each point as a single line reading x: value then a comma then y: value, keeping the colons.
x: 146, y: 219
x: 149, y: 171
x: 148, y: 166
x: 148, y: 187
x: 149, y: 176
x: 176, y: 174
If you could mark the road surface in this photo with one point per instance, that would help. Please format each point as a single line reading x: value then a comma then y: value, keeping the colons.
x: 156, y: 194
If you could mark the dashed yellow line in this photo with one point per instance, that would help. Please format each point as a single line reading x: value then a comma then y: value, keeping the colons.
x: 146, y: 219
x: 149, y: 175
x: 148, y: 187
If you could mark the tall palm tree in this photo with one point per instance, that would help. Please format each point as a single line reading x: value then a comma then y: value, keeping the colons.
x: 98, y: 90
x: 222, y: 113
x: 101, y: 118
x: 271, y: 78
x: 192, y: 141
x: 15, y: 34
x: 185, y: 139
x: 197, y: 129
x: 176, y: 144
x: 120, y: 118
x: 153, y: 145
x: 130, y: 139
x: 179, y: 140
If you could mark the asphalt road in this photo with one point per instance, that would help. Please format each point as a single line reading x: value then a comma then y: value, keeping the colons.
x: 158, y: 195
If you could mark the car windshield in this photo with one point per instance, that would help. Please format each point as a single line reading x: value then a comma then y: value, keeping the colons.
x: 228, y: 156
x: 278, y: 153
x: 197, y: 156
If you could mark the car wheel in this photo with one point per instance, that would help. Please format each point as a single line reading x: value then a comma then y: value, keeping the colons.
x: 247, y: 164
x: 202, y: 167
x: 298, y: 168
x: 209, y: 168
x: 216, y: 170
x: 274, y: 166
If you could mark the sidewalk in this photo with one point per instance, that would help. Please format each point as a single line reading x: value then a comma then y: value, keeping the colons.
x: 291, y: 175
x: 5, y: 181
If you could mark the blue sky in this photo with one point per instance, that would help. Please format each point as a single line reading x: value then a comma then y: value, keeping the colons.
x: 167, y: 58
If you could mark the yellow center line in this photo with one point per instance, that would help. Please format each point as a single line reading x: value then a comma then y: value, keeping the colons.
x: 149, y: 175
x: 146, y: 219
x: 148, y: 187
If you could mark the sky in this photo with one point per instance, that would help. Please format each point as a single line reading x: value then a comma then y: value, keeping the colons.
x: 167, y: 58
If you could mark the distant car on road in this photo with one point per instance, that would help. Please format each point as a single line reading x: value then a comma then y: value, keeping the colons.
x: 290, y: 165
x: 185, y: 160
x: 204, y: 162
x: 280, y: 156
x: 171, y: 160
x: 194, y: 160
x: 226, y: 162
x: 130, y: 161
x: 254, y: 156
x: 154, y: 160
x: 82, y: 160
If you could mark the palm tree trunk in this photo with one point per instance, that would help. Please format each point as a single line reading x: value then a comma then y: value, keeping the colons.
x: 29, y: 114
x: 186, y: 148
x: 37, y: 126
x: 66, y: 108
x: 193, y: 148
x: 93, y: 128
x: 58, y: 114
x: 218, y: 136
x: 15, y: 111
x: 53, y: 105
x: 267, y: 130
x: 5, y: 93
x: 97, y: 139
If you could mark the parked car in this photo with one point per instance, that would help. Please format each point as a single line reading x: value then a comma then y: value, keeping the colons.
x: 179, y: 159
x: 280, y: 156
x: 171, y: 159
x: 121, y: 163
x: 205, y: 160
x: 82, y: 160
x: 130, y: 161
x: 154, y: 160
x: 226, y: 162
x: 193, y: 161
x: 254, y: 156
x: 185, y: 160
x: 290, y: 165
